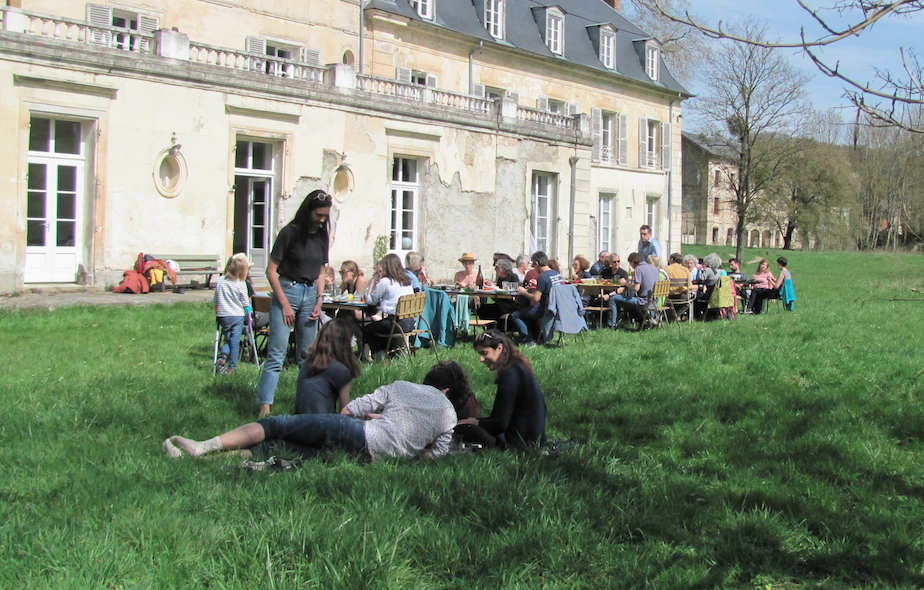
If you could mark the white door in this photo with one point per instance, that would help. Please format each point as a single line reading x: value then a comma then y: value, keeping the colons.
x: 54, y: 201
x: 253, y: 197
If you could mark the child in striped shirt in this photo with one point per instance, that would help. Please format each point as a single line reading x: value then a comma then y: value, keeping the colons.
x: 232, y: 305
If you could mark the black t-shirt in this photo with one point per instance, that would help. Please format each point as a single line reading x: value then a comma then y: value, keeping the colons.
x: 300, y: 259
x: 518, y: 416
x: 317, y: 394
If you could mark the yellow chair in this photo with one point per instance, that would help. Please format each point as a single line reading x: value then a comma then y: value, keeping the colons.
x: 409, y: 306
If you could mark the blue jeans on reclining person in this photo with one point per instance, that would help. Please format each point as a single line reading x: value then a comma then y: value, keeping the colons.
x: 302, y: 298
x: 231, y: 328
x: 309, y: 434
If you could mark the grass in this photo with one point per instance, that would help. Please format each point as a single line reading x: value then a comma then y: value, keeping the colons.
x: 782, y: 451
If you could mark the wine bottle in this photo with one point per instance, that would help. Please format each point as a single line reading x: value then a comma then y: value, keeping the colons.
x: 479, y: 280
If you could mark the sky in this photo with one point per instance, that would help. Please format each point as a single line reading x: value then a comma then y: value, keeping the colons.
x: 877, y: 46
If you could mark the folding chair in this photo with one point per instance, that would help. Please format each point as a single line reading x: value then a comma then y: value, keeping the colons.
x: 248, y: 346
x: 476, y: 322
x: 679, y: 300
x: 409, y: 306
x: 660, y: 293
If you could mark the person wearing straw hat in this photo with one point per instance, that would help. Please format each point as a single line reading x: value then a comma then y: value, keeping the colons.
x: 467, y: 278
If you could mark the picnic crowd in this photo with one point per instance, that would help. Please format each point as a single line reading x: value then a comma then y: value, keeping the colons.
x: 404, y: 419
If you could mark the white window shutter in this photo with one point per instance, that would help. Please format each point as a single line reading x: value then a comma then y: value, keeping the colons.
x: 665, y: 146
x: 623, y: 141
x: 479, y: 90
x: 255, y: 45
x: 147, y: 24
x: 403, y: 75
x: 515, y: 96
x: 571, y: 109
x: 596, y: 133
x: 309, y: 56
x: 99, y: 16
x: 542, y: 103
x: 642, y: 142
x: 432, y: 81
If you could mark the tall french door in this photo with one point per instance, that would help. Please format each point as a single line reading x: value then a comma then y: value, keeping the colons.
x: 254, y: 169
x: 54, y: 201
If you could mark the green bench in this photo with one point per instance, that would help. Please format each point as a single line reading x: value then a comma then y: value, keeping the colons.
x: 194, y: 264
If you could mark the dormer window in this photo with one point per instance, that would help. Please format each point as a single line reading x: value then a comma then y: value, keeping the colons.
x: 424, y: 8
x: 608, y: 49
x: 652, y: 60
x: 554, y: 30
x: 494, y: 18
x: 603, y: 38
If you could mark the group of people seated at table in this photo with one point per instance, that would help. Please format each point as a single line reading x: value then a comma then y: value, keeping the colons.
x: 401, y: 419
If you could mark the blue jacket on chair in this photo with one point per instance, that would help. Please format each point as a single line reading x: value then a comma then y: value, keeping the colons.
x: 441, y: 315
x: 564, y: 313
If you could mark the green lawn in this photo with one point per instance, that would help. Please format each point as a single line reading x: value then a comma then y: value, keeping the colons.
x: 782, y: 450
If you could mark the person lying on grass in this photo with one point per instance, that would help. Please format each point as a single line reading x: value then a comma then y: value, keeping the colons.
x: 518, y: 416
x: 400, y: 419
x: 325, y: 377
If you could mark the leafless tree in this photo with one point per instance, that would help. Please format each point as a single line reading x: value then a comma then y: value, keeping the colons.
x: 682, y: 47
x: 752, y: 95
x: 885, y: 101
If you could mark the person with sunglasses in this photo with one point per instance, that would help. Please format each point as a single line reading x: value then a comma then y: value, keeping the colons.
x: 517, y: 419
x: 295, y: 271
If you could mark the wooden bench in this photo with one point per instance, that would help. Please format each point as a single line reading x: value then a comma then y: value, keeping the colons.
x: 194, y: 264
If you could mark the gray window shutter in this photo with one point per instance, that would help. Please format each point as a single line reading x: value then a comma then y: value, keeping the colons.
x: 515, y: 96
x: 571, y: 109
x: 403, y: 75
x: 542, y: 103
x: 99, y: 16
x: 642, y: 142
x: 665, y: 146
x: 255, y: 45
x: 479, y: 90
x: 596, y: 133
x: 623, y: 141
x: 147, y: 24
x: 309, y: 56
x: 432, y: 81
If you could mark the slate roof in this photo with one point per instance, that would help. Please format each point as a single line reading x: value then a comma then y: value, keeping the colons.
x: 522, y: 32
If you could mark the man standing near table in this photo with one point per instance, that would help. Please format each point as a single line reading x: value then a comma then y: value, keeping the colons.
x: 538, y: 299
x: 648, y: 245
x: 634, y: 294
x: 602, y: 261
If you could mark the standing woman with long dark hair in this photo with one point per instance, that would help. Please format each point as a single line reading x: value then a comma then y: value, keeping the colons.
x: 295, y: 271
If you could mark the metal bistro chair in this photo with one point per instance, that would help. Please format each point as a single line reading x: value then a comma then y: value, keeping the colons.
x: 409, y: 306
x: 684, y: 299
x: 659, y: 297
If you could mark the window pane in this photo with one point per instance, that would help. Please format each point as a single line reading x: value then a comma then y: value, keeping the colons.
x: 67, y: 137
x: 394, y: 200
x: 408, y: 200
x: 37, y: 177
x: 396, y: 169
x: 66, y: 233
x: 39, y: 134
x: 67, y: 206
x: 35, y: 206
x: 257, y: 237
x: 259, y: 211
x: 262, y: 156
x: 67, y: 178
x: 35, y: 233
x: 543, y: 206
x: 259, y: 192
x: 407, y: 220
x: 410, y: 170
x: 241, y: 153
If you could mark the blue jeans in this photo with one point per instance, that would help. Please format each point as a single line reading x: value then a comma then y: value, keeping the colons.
x: 618, y: 300
x: 527, y: 314
x: 302, y: 299
x: 309, y: 434
x: 231, y: 328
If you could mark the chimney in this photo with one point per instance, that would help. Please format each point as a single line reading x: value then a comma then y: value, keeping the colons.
x: 614, y: 4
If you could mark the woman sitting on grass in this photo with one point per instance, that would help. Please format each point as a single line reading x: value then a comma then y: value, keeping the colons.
x: 401, y: 419
x: 325, y: 377
x: 518, y: 416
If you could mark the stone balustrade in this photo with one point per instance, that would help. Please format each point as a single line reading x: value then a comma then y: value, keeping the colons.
x: 175, y: 45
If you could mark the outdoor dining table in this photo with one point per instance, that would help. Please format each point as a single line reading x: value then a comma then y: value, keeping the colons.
x: 367, y: 309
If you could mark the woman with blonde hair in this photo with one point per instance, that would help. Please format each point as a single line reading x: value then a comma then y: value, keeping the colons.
x: 392, y: 284
x: 351, y: 278
x: 764, y: 281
